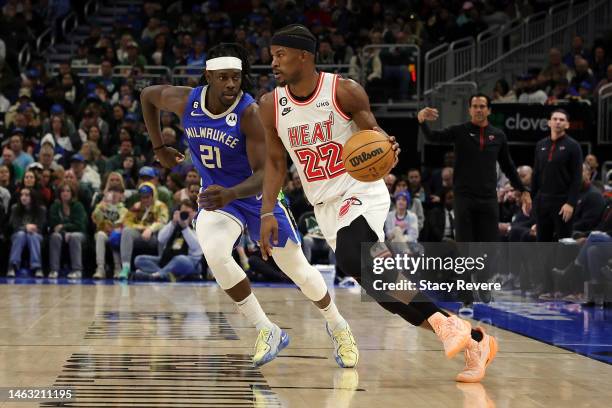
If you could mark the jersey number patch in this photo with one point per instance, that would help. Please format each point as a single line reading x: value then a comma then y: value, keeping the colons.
x: 311, y: 159
x: 211, y: 156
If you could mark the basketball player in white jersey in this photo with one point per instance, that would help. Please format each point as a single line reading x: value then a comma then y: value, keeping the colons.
x: 227, y: 144
x: 312, y: 115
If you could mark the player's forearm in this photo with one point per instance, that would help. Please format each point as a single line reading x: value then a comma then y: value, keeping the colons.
x: 249, y: 187
x: 275, y: 173
x: 150, y: 114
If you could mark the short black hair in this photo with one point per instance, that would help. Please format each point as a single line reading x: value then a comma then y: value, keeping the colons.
x: 233, y: 50
x: 188, y: 203
x: 559, y: 110
x: 480, y: 95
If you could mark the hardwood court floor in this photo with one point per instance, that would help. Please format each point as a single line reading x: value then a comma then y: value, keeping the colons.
x: 186, y: 346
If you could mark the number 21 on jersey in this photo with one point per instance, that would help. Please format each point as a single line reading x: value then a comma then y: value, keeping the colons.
x: 211, y: 156
x: 324, y: 162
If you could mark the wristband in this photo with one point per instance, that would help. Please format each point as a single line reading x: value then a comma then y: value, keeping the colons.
x: 264, y: 215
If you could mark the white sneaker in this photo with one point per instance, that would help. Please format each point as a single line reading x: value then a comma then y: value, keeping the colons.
x: 38, y: 273
x: 100, y: 273
x: 75, y: 275
x: 11, y: 272
x: 269, y: 343
x: 53, y: 275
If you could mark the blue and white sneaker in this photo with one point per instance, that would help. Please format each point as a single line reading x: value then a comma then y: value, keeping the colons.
x: 270, y: 342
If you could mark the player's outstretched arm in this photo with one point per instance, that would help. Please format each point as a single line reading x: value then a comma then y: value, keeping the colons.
x: 274, y: 174
x: 354, y: 101
x: 168, y: 98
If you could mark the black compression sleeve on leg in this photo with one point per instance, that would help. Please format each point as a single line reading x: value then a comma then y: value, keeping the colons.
x: 348, y: 257
x: 424, y: 304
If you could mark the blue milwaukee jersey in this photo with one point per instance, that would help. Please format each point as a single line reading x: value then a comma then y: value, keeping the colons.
x: 216, y: 143
x: 218, y: 151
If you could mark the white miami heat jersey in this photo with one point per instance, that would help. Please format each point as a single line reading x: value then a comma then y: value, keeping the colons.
x: 314, y: 133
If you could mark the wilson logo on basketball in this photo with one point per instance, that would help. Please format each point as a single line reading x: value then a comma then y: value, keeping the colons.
x: 346, y: 205
x: 365, y: 156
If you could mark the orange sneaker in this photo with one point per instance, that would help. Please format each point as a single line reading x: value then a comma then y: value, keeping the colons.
x: 453, y: 331
x: 478, y: 356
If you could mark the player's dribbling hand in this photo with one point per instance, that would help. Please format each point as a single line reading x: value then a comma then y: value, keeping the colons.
x: 169, y: 157
x: 395, y: 146
x: 215, y: 197
x: 427, y: 114
x: 269, y: 229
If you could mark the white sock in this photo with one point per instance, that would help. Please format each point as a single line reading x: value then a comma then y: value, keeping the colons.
x: 250, y: 308
x: 333, y: 317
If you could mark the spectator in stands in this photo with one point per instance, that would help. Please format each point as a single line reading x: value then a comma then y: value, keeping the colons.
x: 108, y: 217
x: 578, y: 49
x: 390, y: 180
x: 125, y: 150
x: 129, y: 171
x: 600, y: 63
x: 124, y: 43
x: 197, y: 56
x: 91, y: 117
x: 554, y: 71
x: 605, y: 81
x: 46, y: 157
x: 590, y: 205
x: 502, y: 93
x: 342, y: 52
x: 297, y: 199
x: 180, y: 252
x: 447, y: 184
x: 525, y: 173
x: 22, y: 158
x: 402, y: 224
x: 152, y: 29
x: 584, y: 93
x: 8, y: 158
x: 134, y: 58
x: 151, y: 175
x: 559, y: 91
x: 441, y: 219
x: 83, y: 192
x: 582, y: 73
x: 326, y: 53
x: 68, y: 223
x: 161, y: 53
x: 191, y: 177
x: 6, y: 178
x: 415, y: 186
x: 313, y: 239
x: 591, y: 161
x: 27, y: 223
x: 84, y: 172
x: 142, y: 222
x: 106, y: 77
x: 531, y: 92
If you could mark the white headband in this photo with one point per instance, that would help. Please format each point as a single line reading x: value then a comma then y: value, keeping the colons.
x: 223, y: 63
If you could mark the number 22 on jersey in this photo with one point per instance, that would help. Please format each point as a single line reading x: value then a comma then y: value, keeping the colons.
x: 323, y: 162
x: 211, y: 156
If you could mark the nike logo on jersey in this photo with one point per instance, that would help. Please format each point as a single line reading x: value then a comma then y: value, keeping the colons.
x: 197, y: 114
x: 286, y: 111
x: 258, y: 197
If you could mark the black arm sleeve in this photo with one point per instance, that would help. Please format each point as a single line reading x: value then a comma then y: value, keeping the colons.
x: 508, y: 167
x: 576, y: 171
x: 446, y: 135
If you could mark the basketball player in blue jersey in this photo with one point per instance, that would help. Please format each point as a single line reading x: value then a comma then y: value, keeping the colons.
x: 227, y: 144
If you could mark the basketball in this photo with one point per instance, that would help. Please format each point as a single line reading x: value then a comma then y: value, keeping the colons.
x: 368, y: 155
